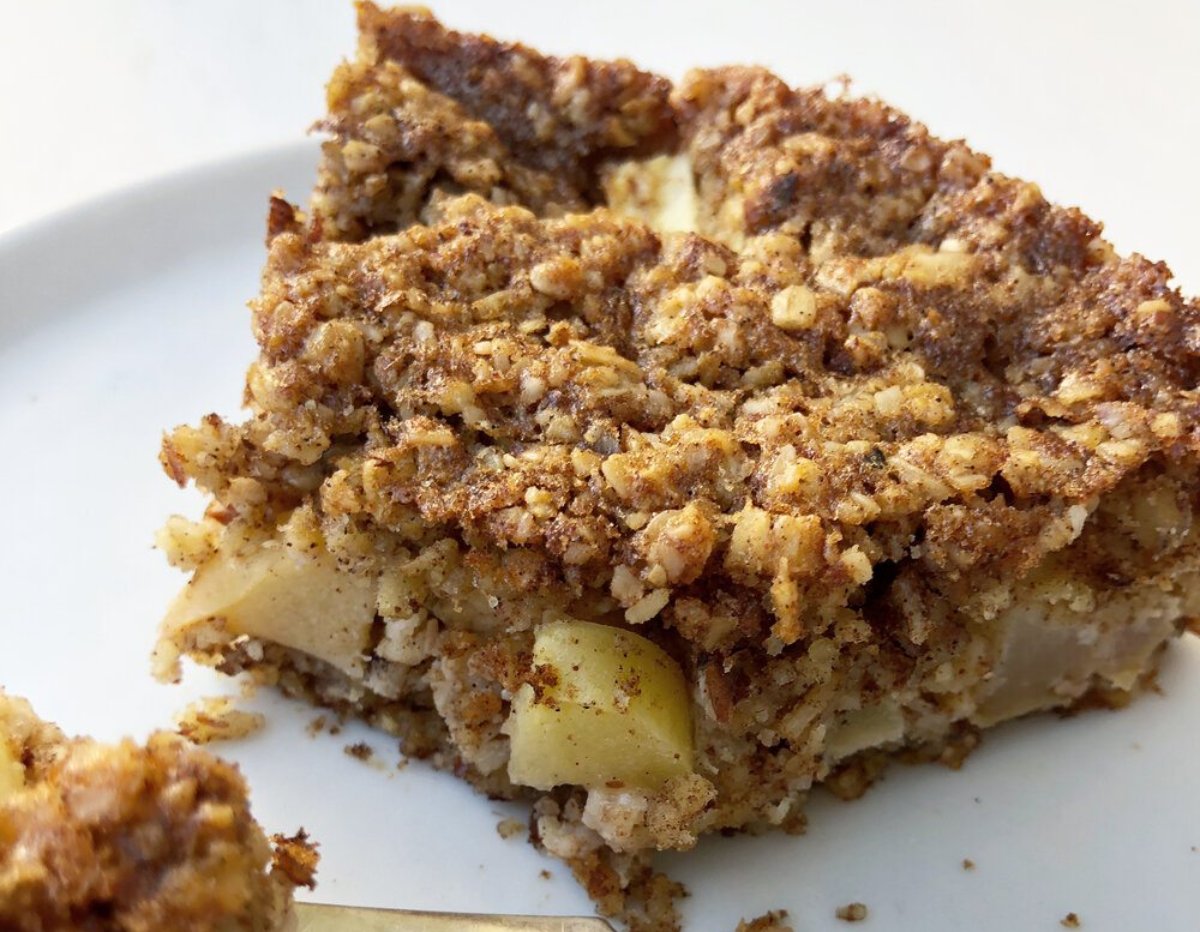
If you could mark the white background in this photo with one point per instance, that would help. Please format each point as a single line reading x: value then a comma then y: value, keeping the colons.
x: 1097, y: 101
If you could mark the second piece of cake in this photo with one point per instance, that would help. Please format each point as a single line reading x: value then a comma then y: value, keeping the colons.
x: 129, y: 837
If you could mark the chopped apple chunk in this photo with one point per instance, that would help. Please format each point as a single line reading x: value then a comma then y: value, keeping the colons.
x: 606, y: 707
x: 868, y: 727
x: 288, y: 589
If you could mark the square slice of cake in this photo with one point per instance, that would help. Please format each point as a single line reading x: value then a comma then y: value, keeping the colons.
x: 131, y: 837
x: 659, y: 451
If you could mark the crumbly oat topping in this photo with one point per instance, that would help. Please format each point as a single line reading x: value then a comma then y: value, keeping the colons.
x: 424, y: 107
x: 119, y: 837
x: 665, y: 439
x: 923, y: 368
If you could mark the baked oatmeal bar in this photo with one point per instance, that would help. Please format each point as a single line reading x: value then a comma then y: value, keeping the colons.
x: 657, y: 452
x: 133, y: 838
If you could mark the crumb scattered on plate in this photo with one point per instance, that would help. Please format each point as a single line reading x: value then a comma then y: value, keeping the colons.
x: 852, y: 912
x: 772, y: 921
x: 297, y: 857
x: 968, y: 864
x: 214, y: 718
x: 360, y: 751
x: 510, y: 828
x: 1070, y: 921
x: 323, y: 725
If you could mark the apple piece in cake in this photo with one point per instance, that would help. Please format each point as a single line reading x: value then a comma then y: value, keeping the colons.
x: 157, y: 836
x: 756, y: 420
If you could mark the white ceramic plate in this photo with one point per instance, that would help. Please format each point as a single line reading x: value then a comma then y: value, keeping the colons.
x: 127, y: 317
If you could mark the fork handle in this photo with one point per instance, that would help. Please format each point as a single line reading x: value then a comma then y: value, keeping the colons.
x: 318, y: 917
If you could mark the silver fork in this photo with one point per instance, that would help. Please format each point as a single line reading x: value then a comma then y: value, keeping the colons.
x: 317, y: 917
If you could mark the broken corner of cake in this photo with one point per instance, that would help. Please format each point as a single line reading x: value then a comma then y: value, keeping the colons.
x: 660, y: 450
x: 128, y: 836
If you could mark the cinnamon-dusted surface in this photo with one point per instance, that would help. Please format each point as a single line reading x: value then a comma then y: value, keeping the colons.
x: 128, y: 837
x: 621, y: 413
x: 901, y: 346
x: 424, y: 106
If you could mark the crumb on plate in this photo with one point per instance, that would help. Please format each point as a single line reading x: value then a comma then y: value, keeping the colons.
x: 214, y: 718
x: 772, y: 921
x: 852, y: 912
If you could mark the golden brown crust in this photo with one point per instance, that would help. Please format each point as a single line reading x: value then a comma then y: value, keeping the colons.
x: 123, y: 837
x: 425, y: 108
x: 559, y: 115
x: 664, y: 424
